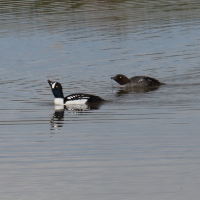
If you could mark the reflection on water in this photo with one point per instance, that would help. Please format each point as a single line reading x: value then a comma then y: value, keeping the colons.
x: 122, y: 91
x: 57, y: 120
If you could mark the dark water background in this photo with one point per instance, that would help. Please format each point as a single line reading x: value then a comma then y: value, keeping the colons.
x: 137, y: 145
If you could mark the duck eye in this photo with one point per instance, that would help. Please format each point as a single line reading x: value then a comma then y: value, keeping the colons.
x: 56, y: 86
x: 120, y: 77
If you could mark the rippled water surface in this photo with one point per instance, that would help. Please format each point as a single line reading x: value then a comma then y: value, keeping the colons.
x: 136, y: 145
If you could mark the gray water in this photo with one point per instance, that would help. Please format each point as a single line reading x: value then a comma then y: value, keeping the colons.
x: 138, y: 144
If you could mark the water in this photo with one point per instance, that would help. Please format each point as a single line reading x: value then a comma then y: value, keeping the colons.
x: 137, y: 145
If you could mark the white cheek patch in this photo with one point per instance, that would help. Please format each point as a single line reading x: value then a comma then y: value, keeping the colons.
x: 53, y: 85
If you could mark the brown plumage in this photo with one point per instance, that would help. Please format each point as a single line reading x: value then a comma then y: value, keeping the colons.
x: 136, y: 81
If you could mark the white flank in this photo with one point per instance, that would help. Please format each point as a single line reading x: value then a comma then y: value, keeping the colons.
x: 59, y: 101
x: 53, y: 85
x: 75, y: 102
x: 77, y: 107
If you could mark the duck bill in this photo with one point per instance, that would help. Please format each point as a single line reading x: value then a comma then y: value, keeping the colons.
x: 50, y: 82
x: 113, y: 78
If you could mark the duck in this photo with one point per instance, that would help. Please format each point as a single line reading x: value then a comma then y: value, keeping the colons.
x: 136, y: 81
x: 72, y: 99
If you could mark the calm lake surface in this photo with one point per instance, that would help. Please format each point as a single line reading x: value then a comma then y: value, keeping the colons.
x: 138, y: 144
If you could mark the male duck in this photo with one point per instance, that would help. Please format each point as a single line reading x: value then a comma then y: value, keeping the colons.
x: 72, y: 99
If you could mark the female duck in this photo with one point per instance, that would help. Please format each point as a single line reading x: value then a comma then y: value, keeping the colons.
x: 136, y: 81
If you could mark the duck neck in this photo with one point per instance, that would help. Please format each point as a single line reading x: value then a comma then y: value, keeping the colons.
x: 58, y: 93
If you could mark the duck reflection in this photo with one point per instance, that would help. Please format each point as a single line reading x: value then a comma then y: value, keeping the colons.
x: 57, y: 120
x: 123, y: 91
